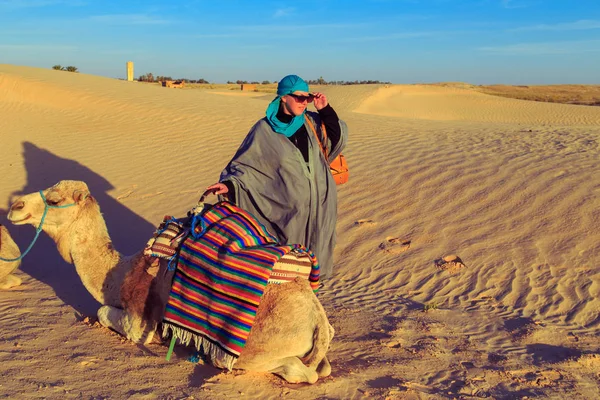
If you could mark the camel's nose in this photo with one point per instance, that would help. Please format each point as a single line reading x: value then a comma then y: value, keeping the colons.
x: 19, y: 205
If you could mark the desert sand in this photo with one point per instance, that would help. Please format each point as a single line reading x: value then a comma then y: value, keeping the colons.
x: 511, y: 187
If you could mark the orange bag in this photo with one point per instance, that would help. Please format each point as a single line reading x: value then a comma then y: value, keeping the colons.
x: 338, y: 167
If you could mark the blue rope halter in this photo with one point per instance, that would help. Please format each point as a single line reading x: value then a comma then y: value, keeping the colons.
x: 38, y: 229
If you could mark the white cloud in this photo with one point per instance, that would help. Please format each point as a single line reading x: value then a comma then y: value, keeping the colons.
x: 284, y: 12
x: 217, y: 35
x: 547, y: 48
x: 259, y: 47
x: 513, y: 4
x: 391, y: 36
x: 129, y: 19
x: 584, y: 24
x: 37, y: 47
x: 16, y: 4
x: 41, y: 31
x: 299, y: 28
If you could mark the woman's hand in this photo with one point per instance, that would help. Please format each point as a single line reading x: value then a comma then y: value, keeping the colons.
x: 218, y: 188
x: 320, y: 100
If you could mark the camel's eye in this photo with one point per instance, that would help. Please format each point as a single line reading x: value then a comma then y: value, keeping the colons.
x: 52, y: 199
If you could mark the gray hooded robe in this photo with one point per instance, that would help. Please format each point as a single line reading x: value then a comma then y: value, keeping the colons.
x: 294, y: 199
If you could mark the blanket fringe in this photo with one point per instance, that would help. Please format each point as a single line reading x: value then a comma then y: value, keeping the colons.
x: 218, y: 357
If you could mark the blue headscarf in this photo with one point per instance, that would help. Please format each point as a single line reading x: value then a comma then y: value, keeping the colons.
x: 287, y: 85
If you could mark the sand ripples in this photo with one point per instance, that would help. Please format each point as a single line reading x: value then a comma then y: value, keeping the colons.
x: 510, y: 187
x: 512, y: 212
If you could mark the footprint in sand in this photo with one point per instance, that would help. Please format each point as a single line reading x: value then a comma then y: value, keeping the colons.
x: 365, y: 222
x: 128, y: 193
x: 395, y: 245
x: 451, y: 263
x: 89, y: 362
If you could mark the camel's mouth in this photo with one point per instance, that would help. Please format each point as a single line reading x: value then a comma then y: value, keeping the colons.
x: 19, y: 221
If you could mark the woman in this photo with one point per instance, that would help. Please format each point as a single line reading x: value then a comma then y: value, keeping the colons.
x: 280, y: 175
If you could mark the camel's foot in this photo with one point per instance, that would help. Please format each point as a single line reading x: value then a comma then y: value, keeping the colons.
x: 9, y: 281
x: 119, y: 321
x: 294, y: 371
x: 324, y: 368
x: 110, y: 317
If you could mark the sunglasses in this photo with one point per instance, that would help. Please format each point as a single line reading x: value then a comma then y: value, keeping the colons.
x: 301, y: 99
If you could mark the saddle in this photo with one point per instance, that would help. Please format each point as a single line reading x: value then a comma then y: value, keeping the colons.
x: 170, y: 234
x: 224, y: 265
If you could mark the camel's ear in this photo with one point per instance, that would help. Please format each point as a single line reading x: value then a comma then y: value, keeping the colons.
x: 80, y: 195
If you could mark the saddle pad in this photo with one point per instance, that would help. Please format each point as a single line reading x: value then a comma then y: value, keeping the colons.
x: 166, y: 240
x: 222, y: 271
x: 290, y: 266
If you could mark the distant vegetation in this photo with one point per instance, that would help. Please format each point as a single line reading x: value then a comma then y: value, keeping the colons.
x: 321, y: 81
x: 567, y: 94
x: 149, y: 77
x: 70, y: 68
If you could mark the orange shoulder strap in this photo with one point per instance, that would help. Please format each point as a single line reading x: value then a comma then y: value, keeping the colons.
x: 312, y: 127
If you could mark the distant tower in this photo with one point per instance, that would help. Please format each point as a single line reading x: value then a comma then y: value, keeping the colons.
x: 130, y: 71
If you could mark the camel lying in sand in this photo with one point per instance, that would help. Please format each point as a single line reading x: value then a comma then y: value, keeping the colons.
x: 8, y: 250
x: 291, y: 332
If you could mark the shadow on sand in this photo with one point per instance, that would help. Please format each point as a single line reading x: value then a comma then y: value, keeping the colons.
x: 543, y: 354
x: 128, y: 231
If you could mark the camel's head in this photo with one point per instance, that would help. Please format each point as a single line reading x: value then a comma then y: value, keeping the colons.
x: 28, y: 209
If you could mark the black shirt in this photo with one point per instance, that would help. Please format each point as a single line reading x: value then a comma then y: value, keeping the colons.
x: 300, y: 138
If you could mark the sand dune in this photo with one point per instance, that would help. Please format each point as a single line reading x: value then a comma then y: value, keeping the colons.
x: 445, y: 103
x: 511, y: 187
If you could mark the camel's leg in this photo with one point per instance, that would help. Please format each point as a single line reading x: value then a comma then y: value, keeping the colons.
x: 322, y: 336
x: 293, y: 370
x: 9, y: 281
x: 324, y: 368
x: 121, y: 322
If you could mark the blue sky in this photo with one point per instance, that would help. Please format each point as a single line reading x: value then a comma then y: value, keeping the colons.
x: 401, y: 41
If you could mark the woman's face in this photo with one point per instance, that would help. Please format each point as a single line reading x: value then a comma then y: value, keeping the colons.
x: 294, y: 104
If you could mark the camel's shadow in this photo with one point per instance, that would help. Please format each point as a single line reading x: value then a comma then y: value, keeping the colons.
x: 203, y: 370
x: 128, y: 230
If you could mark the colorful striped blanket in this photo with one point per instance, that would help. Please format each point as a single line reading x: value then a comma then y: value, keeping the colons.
x: 222, y: 272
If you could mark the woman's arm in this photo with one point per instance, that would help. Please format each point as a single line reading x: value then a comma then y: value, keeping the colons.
x: 332, y: 125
